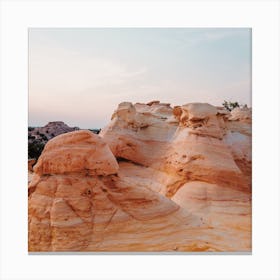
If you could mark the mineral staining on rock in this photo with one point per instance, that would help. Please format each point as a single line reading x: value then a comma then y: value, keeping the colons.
x: 156, y: 178
x: 76, y: 152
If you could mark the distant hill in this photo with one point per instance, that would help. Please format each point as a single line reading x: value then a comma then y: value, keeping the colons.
x: 39, y: 136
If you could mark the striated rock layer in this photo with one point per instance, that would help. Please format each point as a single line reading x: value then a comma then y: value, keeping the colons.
x: 156, y: 178
x: 198, y: 155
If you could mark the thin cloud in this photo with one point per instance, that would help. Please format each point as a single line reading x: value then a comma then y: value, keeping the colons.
x: 80, y: 75
x: 192, y: 38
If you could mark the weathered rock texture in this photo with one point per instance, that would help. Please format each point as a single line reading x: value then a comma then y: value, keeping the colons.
x: 156, y: 179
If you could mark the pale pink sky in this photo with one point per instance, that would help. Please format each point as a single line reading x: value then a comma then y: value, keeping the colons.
x: 79, y: 76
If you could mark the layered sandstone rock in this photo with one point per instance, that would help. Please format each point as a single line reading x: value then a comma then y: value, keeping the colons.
x: 76, y: 152
x: 204, y: 149
x: 77, y: 202
x: 156, y: 179
x: 139, y: 132
x: 199, y: 146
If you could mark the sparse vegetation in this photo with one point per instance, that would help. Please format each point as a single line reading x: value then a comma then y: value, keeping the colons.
x: 43, y: 136
x: 35, y: 149
x: 228, y: 105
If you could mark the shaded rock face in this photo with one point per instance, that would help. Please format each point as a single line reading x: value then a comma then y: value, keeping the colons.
x: 156, y: 178
x: 31, y: 162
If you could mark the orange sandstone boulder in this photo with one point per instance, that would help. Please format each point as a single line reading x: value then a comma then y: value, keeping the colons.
x: 78, y: 151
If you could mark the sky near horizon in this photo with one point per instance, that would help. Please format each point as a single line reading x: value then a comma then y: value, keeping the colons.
x: 80, y: 75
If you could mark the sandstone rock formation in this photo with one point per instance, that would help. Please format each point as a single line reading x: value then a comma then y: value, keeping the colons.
x: 156, y: 179
x: 194, y: 159
x: 78, y: 202
x: 31, y: 162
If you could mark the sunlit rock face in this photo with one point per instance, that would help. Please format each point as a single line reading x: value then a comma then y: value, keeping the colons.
x: 188, y: 151
x: 156, y: 178
x: 79, y: 151
x: 77, y: 202
x: 190, y: 142
x: 140, y: 132
x: 241, y: 114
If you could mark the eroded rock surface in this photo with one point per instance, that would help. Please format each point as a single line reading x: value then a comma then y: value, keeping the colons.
x: 199, y: 148
x: 77, y: 202
x: 156, y: 179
